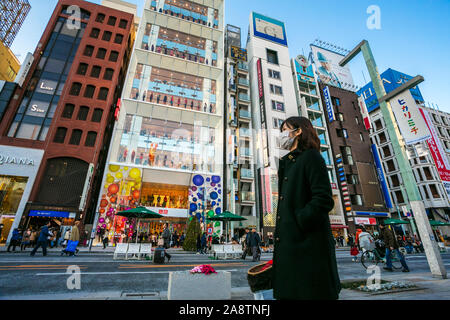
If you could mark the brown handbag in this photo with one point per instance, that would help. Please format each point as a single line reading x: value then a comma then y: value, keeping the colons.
x: 259, y: 279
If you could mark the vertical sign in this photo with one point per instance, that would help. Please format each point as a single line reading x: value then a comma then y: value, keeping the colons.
x: 364, y: 113
x: 262, y: 109
x: 381, y: 177
x: 329, y: 104
x: 87, y: 185
x: 437, y: 152
x: 410, y: 122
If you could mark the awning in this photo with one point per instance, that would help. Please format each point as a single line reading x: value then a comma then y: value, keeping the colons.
x: 338, y: 226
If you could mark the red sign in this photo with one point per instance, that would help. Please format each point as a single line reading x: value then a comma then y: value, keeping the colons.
x: 117, y: 112
x: 260, y: 80
x: 210, y: 230
x: 366, y: 221
x: 334, y: 186
x: 436, y: 149
x: 163, y: 211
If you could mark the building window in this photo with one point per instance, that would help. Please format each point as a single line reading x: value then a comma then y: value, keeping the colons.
x: 83, y: 113
x: 89, y: 92
x: 399, y: 196
x: 356, y: 120
x: 112, y: 21
x: 390, y: 165
x: 97, y: 115
x: 378, y: 125
x: 100, y: 18
x: 114, y: 56
x: 427, y: 172
x: 101, y: 53
x: 88, y: 51
x: 82, y: 69
x: 76, y: 137
x: 118, y: 39
x: 277, y: 106
x: 382, y: 138
x: 123, y: 24
x: 336, y: 101
x: 361, y: 136
x: 276, y: 89
x: 60, y: 135
x: 76, y: 89
x: 95, y: 72
x: 103, y: 94
x: 434, y: 191
x: 352, y: 179
x: 342, y: 133
x: 386, y: 151
x: 272, y: 56
x: 107, y: 36
x: 277, y: 123
x: 356, y: 200
x: 90, y: 139
x: 340, y: 116
x: 95, y: 33
x: 274, y: 74
x: 109, y: 73
x: 395, y: 181
x: 68, y: 111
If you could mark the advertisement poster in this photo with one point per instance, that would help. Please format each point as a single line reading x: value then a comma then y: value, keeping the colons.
x: 409, y: 120
x: 269, y: 29
x: 328, y: 69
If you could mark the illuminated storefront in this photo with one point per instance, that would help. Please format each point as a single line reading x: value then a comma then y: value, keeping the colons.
x: 18, y: 169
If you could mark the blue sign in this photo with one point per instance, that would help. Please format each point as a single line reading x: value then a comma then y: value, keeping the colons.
x: 49, y: 214
x: 381, y: 177
x: 328, y: 104
x: 269, y: 29
x: 376, y: 214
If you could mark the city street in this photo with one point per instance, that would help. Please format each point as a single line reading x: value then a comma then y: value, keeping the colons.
x: 25, y: 277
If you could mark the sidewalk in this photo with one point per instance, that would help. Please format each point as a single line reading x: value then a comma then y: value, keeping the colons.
x: 94, y: 250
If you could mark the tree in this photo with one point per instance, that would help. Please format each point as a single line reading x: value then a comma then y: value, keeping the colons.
x: 193, y: 231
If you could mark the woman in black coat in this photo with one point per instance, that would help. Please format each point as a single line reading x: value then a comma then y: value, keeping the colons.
x: 304, y: 262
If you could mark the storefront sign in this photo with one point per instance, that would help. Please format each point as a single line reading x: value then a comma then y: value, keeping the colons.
x: 381, y: 177
x: 376, y: 214
x: 16, y: 160
x: 51, y: 214
x: 169, y: 212
x: 409, y: 120
x: 329, y: 104
x: 366, y: 221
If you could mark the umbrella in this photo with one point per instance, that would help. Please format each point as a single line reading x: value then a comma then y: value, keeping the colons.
x: 435, y: 223
x: 139, y: 213
x: 395, y: 221
x: 227, y: 217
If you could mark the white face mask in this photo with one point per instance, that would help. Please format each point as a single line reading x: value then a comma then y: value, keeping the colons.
x: 286, y: 141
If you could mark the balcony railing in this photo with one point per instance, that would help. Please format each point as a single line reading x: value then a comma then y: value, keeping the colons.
x: 244, y: 97
x: 247, y: 173
x: 242, y: 66
x: 245, y: 152
x: 247, y: 196
x: 244, y: 114
x: 244, y: 132
x: 243, y: 82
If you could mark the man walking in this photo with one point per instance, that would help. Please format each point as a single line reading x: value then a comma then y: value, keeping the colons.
x: 166, y: 236
x: 244, y: 243
x: 42, y: 240
x: 15, y: 240
x: 391, y: 245
x: 75, y: 236
x: 253, y: 242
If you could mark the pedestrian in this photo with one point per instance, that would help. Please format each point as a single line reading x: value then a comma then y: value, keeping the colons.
x: 105, y: 240
x: 42, y: 240
x: 75, y: 236
x: 58, y: 236
x: 182, y: 237
x: 26, y: 240
x: 166, y: 238
x: 366, y: 241
x: 15, y: 240
x: 304, y: 261
x: 358, y: 231
x: 203, y: 243
x: 199, y: 244
x: 350, y: 240
x: 253, y: 242
x: 354, y: 252
x: 66, y: 237
x: 244, y: 244
x: 33, y: 237
x: 391, y: 245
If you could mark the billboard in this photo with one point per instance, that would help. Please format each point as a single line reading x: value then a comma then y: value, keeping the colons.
x: 409, y: 120
x: 381, y: 177
x: 269, y: 29
x: 329, y: 104
x: 437, y: 152
x: 328, y: 69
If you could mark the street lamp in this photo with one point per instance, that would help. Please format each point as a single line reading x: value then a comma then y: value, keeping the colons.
x: 431, y: 249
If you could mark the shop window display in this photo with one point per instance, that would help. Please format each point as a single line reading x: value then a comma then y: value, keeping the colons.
x: 11, y: 192
x: 188, y: 10
x: 166, y: 144
x: 164, y: 196
x: 181, y: 45
x: 174, y: 89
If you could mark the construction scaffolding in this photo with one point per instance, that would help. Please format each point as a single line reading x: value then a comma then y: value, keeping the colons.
x: 12, y: 16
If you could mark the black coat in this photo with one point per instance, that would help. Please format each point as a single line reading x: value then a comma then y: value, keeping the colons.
x: 304, y: 263
x: 253, y: 239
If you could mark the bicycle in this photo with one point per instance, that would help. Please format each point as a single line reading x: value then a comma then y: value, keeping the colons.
x: 373, y: 257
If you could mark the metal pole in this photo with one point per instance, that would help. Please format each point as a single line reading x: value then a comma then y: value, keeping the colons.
x: 431, y: 250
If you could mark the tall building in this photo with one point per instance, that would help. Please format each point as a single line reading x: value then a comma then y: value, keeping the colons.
x: 429, y: 181
x: 12, y: 16
x: 361, y: 194
x: 167, y: 149
x: 239, y: 178
x: 272, y: 101
x: 310, y: 106
x: 56, y: 130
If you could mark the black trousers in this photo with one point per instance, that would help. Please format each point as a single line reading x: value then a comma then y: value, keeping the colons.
x: 14, y: 244
x: 42, y: 244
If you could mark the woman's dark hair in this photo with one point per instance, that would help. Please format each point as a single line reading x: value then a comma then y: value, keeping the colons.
x: 309, y: 138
